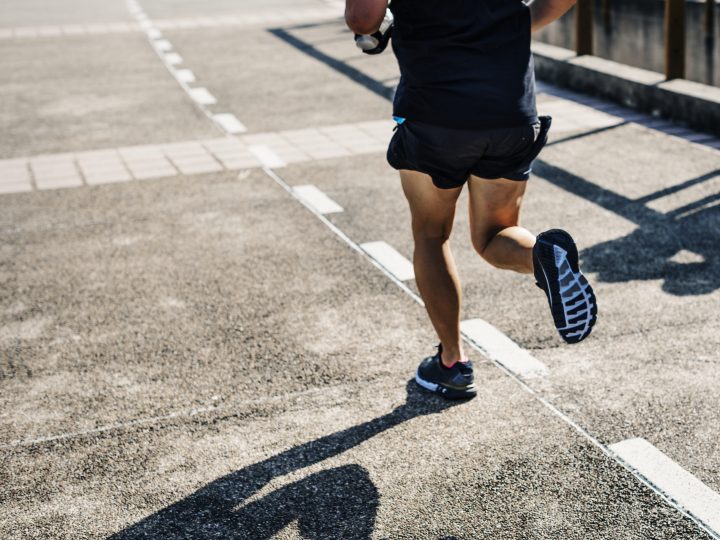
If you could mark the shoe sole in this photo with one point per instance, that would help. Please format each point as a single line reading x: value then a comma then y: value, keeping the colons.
x: 572, y: 302
x: 445, y: 391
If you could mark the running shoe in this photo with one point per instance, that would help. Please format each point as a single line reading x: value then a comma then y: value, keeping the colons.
x: 456, y: 382
x: 571, y: 298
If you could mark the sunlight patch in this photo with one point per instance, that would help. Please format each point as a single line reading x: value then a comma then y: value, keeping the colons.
x: 685, y: 256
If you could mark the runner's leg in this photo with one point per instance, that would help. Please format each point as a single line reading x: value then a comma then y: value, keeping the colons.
x: 433, y: 212
x: 494, y: 224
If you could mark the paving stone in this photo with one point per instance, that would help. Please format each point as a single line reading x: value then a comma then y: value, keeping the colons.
x: 49, y: 31
x: 289, y: 153
x: 304, y: 136
x: 96, y: 29
x: 326, y: 152
x: 141, y: 152
x: 269, y: 139
x: 14, y: 171
x: 191, y: 158
x: 153, y: 171
x: 48, y: 168
x: 98, y: 156
x: 60, y: 181
x: 107, y: 177
x: 121, y: 28
x: 197, y: 167
x: 237, y: 163
x: 73, y: 30
x: 25, y: 32
x: 223, y: 144
x: 380, y: 130
x: 182, y: 149
x: 15, y: 187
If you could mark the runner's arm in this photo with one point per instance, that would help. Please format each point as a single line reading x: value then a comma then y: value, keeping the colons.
x: 543, y: 12
x: 364, y: 17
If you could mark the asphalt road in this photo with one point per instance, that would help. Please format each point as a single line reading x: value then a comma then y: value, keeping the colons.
x: 198, y: 355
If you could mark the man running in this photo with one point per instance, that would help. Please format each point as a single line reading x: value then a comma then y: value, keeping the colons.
x: 465, y: 112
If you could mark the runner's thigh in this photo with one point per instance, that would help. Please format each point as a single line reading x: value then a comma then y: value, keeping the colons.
x: 432, y: 208
x: 494, y: 205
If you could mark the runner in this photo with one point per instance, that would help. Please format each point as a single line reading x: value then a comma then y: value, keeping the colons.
x: 465, y: 112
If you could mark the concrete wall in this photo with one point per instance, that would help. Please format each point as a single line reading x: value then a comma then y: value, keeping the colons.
x: 695, y: 104
x: 632, y: 32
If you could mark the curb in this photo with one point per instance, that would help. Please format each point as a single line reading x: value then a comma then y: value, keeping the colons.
x: 697, y: 105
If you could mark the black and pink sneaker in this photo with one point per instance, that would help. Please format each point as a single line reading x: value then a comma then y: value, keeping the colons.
x: 456, y: 382
x: 571, y: 298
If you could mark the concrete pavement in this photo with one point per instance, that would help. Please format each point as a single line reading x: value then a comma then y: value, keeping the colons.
x: 199, y: 356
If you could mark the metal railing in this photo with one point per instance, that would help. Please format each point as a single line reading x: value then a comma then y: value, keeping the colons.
x: 674, y: 31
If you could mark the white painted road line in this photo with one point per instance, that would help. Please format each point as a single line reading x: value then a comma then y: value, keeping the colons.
x: 173, y: 59
x: 500, y: 348
x: 266, y: 156
x: 185, y: 76
x: 522, y: 384
x: 202, y: 96
x: 163, y: 45
x: 317, y: 199
x: 670, y: 478
x: 390, y: 259
x: 229, y: 123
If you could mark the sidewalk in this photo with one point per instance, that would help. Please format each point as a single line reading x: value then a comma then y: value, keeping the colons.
x: 194, y: 352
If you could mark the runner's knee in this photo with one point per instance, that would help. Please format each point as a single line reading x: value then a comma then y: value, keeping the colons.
x: 480, y: 240
x: 432, y: 231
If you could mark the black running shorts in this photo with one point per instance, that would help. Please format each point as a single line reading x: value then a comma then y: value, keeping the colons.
x: 450, y: 156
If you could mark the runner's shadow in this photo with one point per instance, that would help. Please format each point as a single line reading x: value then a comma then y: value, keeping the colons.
x: 340, y: 502
x: 684, y: 254
x: 680, y: 247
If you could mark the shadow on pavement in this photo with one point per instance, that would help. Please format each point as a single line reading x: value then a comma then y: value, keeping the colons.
x: 341, y: 502
x: 340, y: 66
x: 648, y: 252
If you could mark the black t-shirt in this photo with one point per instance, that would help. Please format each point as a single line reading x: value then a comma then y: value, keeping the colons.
x: 464, y: 64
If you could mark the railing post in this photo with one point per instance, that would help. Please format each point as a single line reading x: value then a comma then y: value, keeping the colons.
x: 584, y: 27
x: 606, y: 14
x: 709, y: 17
x: 675, y: 39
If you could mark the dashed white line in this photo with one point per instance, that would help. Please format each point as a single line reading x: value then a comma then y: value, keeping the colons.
x: 229, y: 123
x: 162, y: 45
x: 670, y: 478
x: 317, y: 199
x: 185, y: 76
x: 266, y: 156
x: 390, y: 259
x: 202, y: 96
x: 602, y: 447
x: 497, y: 346
x: 173, y: 59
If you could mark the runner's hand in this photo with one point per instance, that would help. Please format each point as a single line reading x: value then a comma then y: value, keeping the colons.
x: 377, y: 42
